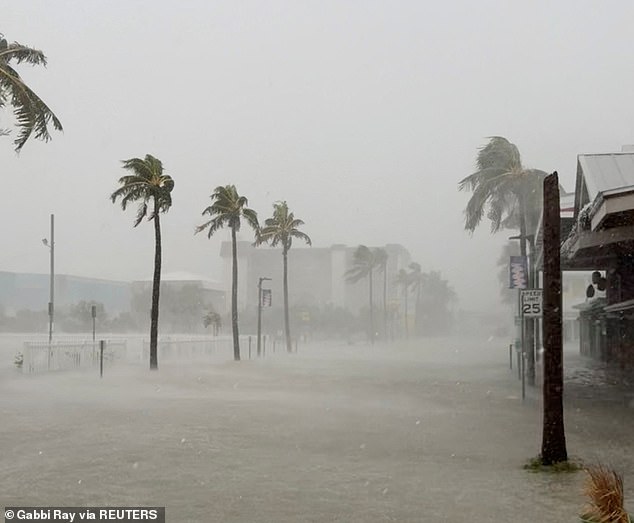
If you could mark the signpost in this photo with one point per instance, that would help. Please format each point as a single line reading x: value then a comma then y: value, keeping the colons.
x: 531, y: 302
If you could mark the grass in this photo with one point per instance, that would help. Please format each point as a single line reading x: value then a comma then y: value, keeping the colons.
x: 604, y: 489
x: 535, y: 465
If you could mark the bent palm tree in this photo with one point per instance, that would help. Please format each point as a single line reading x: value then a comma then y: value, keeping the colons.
x: 148, y: 185
x: 510, y: 195
x: 32, y: 115
x: 363, y: 264
x: 416, y: 281
x: 280, y: 229
x: 227, y: 209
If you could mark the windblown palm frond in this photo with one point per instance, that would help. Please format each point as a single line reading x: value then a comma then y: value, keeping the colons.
x: 147, y: 184
x: 227, y: 210
x: 362, y: 264
x: 281, y: 228
x: 32, y: 115
x: 498, y: 186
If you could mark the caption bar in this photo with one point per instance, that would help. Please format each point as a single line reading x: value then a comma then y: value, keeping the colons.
x: 75, y: 514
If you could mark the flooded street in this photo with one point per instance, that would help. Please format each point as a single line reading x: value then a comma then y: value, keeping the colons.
x: 427, y: 431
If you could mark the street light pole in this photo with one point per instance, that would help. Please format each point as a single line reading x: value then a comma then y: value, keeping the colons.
x: 51, y: 303
x: 260, y: 280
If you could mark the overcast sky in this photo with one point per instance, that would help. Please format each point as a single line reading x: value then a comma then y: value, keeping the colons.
x: 363, y: 115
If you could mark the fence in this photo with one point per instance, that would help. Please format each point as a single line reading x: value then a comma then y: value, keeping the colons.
x: 42, y: 356
x: 195, y: 348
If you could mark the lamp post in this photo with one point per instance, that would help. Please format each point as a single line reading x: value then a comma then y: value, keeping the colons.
x: 260, y: 280
x: 51, y: 304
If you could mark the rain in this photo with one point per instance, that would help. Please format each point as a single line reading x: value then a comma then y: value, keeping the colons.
x: 287, y: 261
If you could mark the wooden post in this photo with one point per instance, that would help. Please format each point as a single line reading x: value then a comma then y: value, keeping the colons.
x: 553, y: 436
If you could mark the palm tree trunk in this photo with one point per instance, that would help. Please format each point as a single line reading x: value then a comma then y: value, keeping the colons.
x: 370, y: 275
x: 529, y: 328
x: 385, y: 336
x: 405, y: 291
x: 156, y: 288
x: 553, y: 436
x: 418, y: 324
x: 234, y: 296
x: 287, y: 326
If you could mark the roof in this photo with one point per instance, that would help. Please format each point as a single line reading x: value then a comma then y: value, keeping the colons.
x: 606, y: 172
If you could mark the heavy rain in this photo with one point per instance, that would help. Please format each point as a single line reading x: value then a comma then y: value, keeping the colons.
x: 277, y: 261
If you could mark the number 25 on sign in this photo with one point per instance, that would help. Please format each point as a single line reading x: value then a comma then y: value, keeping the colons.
x: 531, y: 302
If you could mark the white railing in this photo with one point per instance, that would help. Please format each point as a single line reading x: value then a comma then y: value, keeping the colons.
x: 175, y: 348
x: 42, y: 356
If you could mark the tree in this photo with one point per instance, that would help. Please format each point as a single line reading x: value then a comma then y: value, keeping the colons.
x: 280, y: 229
x: 381, y: 258
x: 510, y: 195
x: 437, y: 296
x: 553, y: 435
x: 214, y: 319
x: 416, y: 279
x: 363, y: 265
x: 148, y: 185
x: 228, y: 209
x: 403, y: 280
x: 32, y: 115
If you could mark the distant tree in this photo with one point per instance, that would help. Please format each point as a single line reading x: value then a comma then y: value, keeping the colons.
x: 32, y: 115
x: 363, y: 265
x: 416, y: 282
x: 78, y: 317
x: 214, y: 319
x: 381, y: 258
x: 148, y: 185
x: 280, y: 229
x: 437, y: 299
x: 404, y: 281
x: 228, y: 209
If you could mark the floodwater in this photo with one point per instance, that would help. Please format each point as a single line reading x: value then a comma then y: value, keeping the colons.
x: 426, y: 431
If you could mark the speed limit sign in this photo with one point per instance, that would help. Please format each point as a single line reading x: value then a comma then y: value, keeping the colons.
x: 531, y: 302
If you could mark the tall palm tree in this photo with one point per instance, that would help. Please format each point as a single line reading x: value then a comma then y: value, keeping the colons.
x: 32, y: 115
x: 228, y: 209
x: 510, y: 195
x: 148, y: 185
x: 280, y: 229
x: 363, y: 264
x: 381, y: 258
x: 404, y: 281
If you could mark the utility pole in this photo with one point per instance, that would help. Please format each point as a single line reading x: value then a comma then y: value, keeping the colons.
x: 51, y: 303
x: 259, y: 346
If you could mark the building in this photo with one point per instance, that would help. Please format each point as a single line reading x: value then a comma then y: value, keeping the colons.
x: 316, y: 275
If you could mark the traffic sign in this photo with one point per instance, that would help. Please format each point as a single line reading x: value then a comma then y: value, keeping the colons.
x: 531, y: 302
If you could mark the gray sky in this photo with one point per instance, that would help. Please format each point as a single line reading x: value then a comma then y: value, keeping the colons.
x: 363, y: 115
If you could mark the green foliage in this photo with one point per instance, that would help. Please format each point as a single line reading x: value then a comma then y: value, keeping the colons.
x: 503, y: 189
x: 228, y: 209
x: 32, y: 115
x: 536, y: 465
x: 147, y: 184
x: 281, y: 228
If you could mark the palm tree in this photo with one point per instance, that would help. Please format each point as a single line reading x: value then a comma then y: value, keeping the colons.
x: 416, y: 281
x: 148, y: 185
x: 32, y: 115
x: 227, y: 209
x: 381, y: 258
x: 363, y: 264
x: 280, y: 229
x: 403, y: 280
x: 510, y: 195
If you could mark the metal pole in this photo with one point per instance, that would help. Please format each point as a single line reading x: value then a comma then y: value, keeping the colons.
x: 264, y: 345
x: 259, y: 350
x: 93, y: 311
x: 102, y: 344
x: 511, y: 356
x: 51, y: 305
x: 523, y: 360
x: 249, y: 347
